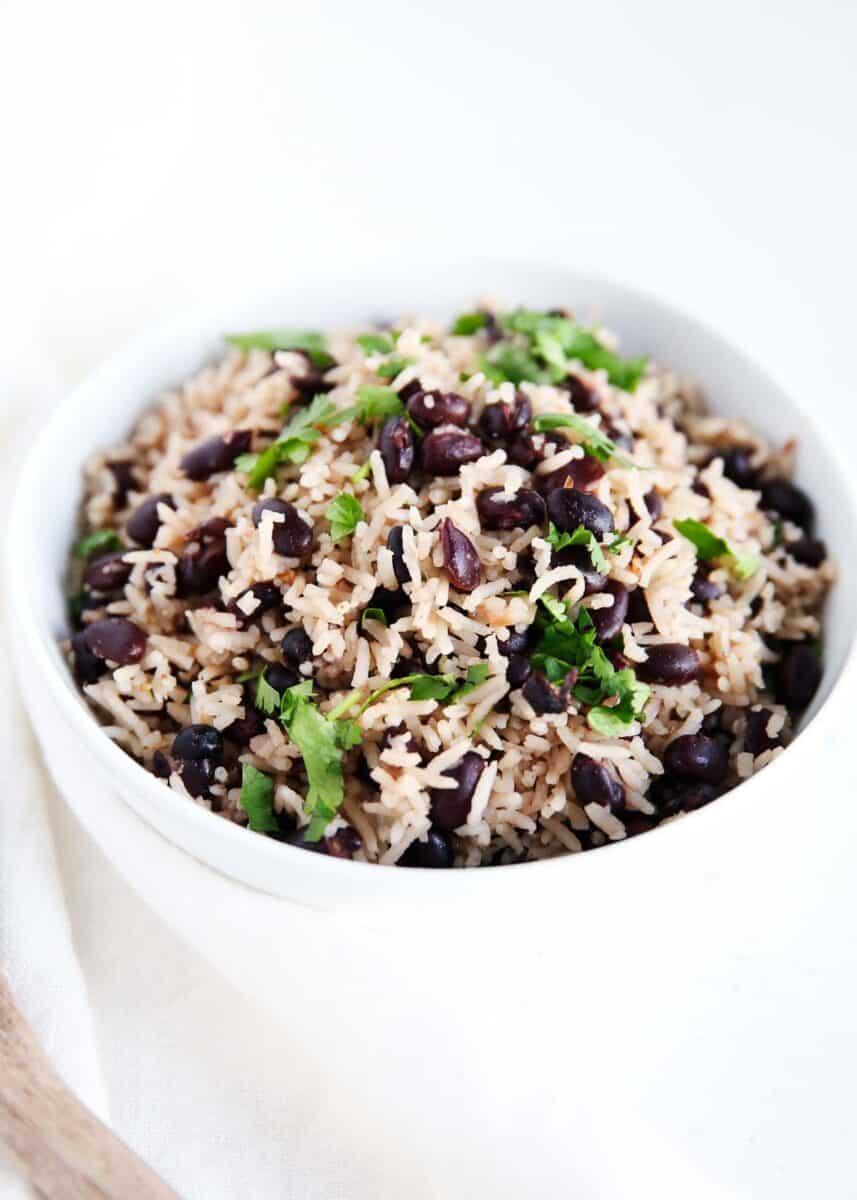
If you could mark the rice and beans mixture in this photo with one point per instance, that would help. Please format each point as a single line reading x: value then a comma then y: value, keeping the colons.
x: 437, y: 596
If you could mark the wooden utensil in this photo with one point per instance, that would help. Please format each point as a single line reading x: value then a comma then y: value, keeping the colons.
x: 57, y: 1142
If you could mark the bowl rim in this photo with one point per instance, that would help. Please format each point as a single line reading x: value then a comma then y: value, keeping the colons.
x: 318, y: 869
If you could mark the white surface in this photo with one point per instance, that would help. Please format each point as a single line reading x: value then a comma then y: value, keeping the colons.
x: 707, y: 155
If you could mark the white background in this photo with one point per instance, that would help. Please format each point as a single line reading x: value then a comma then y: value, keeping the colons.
x: 156, y: 154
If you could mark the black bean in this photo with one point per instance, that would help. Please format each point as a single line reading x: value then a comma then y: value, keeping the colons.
x: 124, y: 481
x: 654, y: 504
x: 396, y: 546
x: 609, y: 621
x: 670, y: 663
x: 756, y: 737
x: 296, y: 647
x: 460, y: 558
x: 292, y: 536
x: 582, y: 472
x: 204, y: 561
x: 518, y: 671
x: 703, y: 589
x: 671, y: 796
x: 711, y: 722
x: 197, y: 775
x: 595, y: 783
x: 700, y: 488
x: 435, y: 852
x: 86, y: 664
x: 396, y: 446
x: 450, y: 806
x: 518, y: 641
x: 430, y: 409
x: 216, y: 454
x: 310, y: 382
x: 568, y: 508
x: 695, y: 756
x: 499, y: 422
x: 446, y: 451
x: 116, y: 639
x: 280, y: 677
x: 245, y: 728
x: 267, y: 594
x: 737, y: 467
x: 542, y: 696
x: 498, y: 510
x: 579, y: 556
x: 529, y: 449
x: 809, y: 551
x: 410, y: 389
x: 144, y: 522
x: 639, y: 822
x: 584, y: 399
x: 198, y: 741
x: 789, y: 501
x: 396, y: 732
x: 638, y: 606
x: 392, y: 602
x: 108, y: 573
x: 798, y: 676
x: 161, y: 765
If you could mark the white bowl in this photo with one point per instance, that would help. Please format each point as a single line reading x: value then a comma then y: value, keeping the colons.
x: 101, y: 411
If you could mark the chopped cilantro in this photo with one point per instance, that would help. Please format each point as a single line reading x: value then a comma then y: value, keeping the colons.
x: 257, y: 799
x: 710, y: 547
x: 267, y: 697
x: 506, y: 361
x: 557, y: 608
x: 445, y: 687
x: 556, y: 340
x: 313, y: 344
x: 376, y: 343
x: 779, y: 536
x: 372, y: 402
x: 344, y: 513
x: 618, y: 542
x: 362, y: 472
x: 580, y: 537
x: 469, y: 323
x: 100, y: 541
x: 393, y: 366
x: 322, y: 744
x: 373, y: 614
x: 595, y: 443
x: 294, y: 443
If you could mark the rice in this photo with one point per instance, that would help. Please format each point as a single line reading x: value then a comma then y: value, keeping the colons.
x: 506, y: 753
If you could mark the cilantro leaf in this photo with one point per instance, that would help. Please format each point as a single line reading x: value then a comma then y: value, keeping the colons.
x: 267, y: 697
x: 391, y: 368
x: 710, y: 547
x: 557, y: 608
x: 377, y: 402
x: 373, y: 614
x: 595, y: 443
x: 557, y: 339
x: 313, y: 344
x: 319, y: 743
x: 100, y: 541
x: 344, y: 513
x: 294, y: 443
x: 375, y: 343
x: 469, y: 323
x: 506, y: 361
x: 433, y: 687
x: 618, y: 542
x: 474, y: 677
x: 362, y: 472
x: 580, y: 537
x: 257, y: 799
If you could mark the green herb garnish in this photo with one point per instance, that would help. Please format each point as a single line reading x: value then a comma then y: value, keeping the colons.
x: 373, y: 614
x: 362, y: 472
x: 257, y: 799
x: 580, y: 537
x: 469, y: 323
x: 100, y: 541
x: 391, y: 368
x: 558, y: 340
x: 376, y: 343
x: 313, y: 344
x: 618, y: 542
x: 294, y: 443
x: 344, y: 513
x: 267, y: 697
x: 322, y: 743
x: 595, y: 443
x: 711, y: 547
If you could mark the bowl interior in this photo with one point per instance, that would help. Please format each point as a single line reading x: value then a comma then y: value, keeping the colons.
x: 102, y: 410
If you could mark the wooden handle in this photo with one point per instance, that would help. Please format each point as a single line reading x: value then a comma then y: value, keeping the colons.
x: 66, y: 1153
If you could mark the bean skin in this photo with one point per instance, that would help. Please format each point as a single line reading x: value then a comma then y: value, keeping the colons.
x: 446, y: 451
x: 115, y: 639
x: 809, y: 551
x: 292, y: 536
x: 638, y: 606
x: 203, y: 562
x: 529, y: 449
x: 608, y: 622
x: 144, y: 522
x: 518, y: 670
x: 582, y: 472
x: 430, y: 409
x: 703, y: 589
x: 267, y: 594
x: 568, y: 508
x: 736, y: 466
x: 280, y: 677
x: 296, y: 647
x: 654, y: 504
x: 198, y: 741
x: 756, y: 738
x: 520, y: 511
x: 108, y: 573
x: 671, y: 796
x: 396, y: 446
x: 499, y: 422
x: 396, y: 546
x: 697, y: 757
x: 244, y: 729
x: 214, y: 455
x: 518, y: 641
x: 798, y: 676
x: 542, y: 696
x: 87, y: 665
x: 450, y: 806
x: 595, y: 783
x: 789, y: 501
x: 124, y: 481
x: 670, y: 663
x: 584, y: 399
x: 435, y: 852
x: 460, y: 558
x: 579, y: 556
